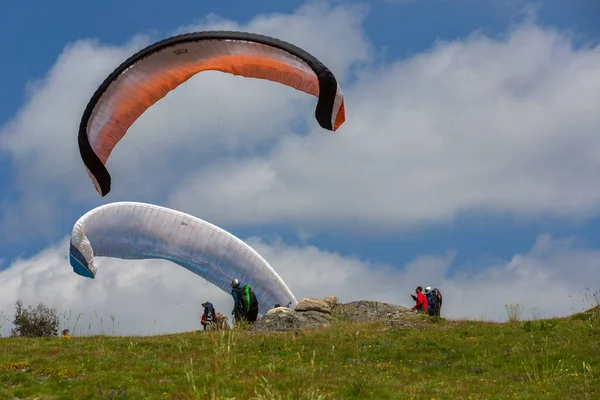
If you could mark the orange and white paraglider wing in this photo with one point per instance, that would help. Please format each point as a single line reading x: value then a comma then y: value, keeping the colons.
x: 147, y: 76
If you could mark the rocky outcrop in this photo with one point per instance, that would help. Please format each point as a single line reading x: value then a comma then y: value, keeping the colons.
x: 332, y: 301
x: 312, y: 313
x: 282, y: 319
x: 310, y: 304
x: 369, y: 311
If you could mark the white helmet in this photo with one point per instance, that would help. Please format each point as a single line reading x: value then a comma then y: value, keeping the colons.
x: 428, y: 289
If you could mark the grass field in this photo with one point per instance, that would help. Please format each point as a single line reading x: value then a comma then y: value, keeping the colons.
x: 549, y: 359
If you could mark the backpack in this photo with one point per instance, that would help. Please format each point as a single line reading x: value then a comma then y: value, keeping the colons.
x: 248, y: 301
x: 211, y: 316
x: 435, y: 298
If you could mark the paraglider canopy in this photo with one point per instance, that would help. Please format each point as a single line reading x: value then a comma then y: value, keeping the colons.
x: 132, y: 230
x: 147, y: 76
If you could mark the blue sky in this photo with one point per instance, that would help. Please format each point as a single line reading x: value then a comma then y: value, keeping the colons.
x: 397, y: 28
x: 485, y: 233
x: 35, y: 38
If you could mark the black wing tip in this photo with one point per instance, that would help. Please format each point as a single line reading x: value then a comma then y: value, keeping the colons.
x: 104, y: 190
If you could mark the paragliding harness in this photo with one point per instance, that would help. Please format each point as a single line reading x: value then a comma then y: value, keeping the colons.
x: 210, y: 316
x: 435, y: 302
x: 247, y: 307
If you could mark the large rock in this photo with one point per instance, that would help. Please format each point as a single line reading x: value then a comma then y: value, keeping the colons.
x: 332, y: 301
x: 313, y: 313
x: 279, y: 310
x: 278, y: 320
x: 367, y: 311
x: 310, y: 304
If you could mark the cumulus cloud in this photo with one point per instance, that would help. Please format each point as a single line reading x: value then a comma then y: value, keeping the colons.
x: 151, y: 297
x: 502, y: 125
x: 126, y: 297
x: 333, y: 34
x: 548, y: 280
x: 493, y: 124
x: 211, y: 116
x: 42, y: 136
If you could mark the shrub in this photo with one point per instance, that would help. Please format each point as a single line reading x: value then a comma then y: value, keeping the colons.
x: 41, y: 321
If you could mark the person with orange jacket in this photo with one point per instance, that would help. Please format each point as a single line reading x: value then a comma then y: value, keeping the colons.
x: 420, y: 300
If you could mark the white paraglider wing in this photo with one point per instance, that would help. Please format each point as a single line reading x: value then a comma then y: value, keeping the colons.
x: 131, y: 230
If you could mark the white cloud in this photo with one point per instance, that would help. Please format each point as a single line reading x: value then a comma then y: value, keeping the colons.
x: 497, y: 125
x: 145, y: 297
x: 504, y: 125
x: 333, y: 34
x: 150, y: 297
x: 211, y: 114
x: 42, y: 137
x: 551, y: 278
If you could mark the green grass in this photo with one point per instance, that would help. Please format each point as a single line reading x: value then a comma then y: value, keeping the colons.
x: 550, y: 359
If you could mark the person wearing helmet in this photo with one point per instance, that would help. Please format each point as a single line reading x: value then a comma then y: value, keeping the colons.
x: 420, y: 299
x: 434, y: 300
x: 430, y: 305
x: 428, y: 293
x: 235, y: 284
x: 245, y: 304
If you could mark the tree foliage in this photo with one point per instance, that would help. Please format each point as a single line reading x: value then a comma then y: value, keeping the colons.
x: 40, y: 321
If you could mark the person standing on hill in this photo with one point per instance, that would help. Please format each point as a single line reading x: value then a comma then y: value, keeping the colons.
x: 245, y: 304
x: 209, y: 317
x: 420, y: 299
x: 434, y: 301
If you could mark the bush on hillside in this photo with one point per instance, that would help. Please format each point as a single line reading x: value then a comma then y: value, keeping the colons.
x: 40, y: 321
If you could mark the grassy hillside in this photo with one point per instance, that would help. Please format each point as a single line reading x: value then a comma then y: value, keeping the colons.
x: 554, y: 359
